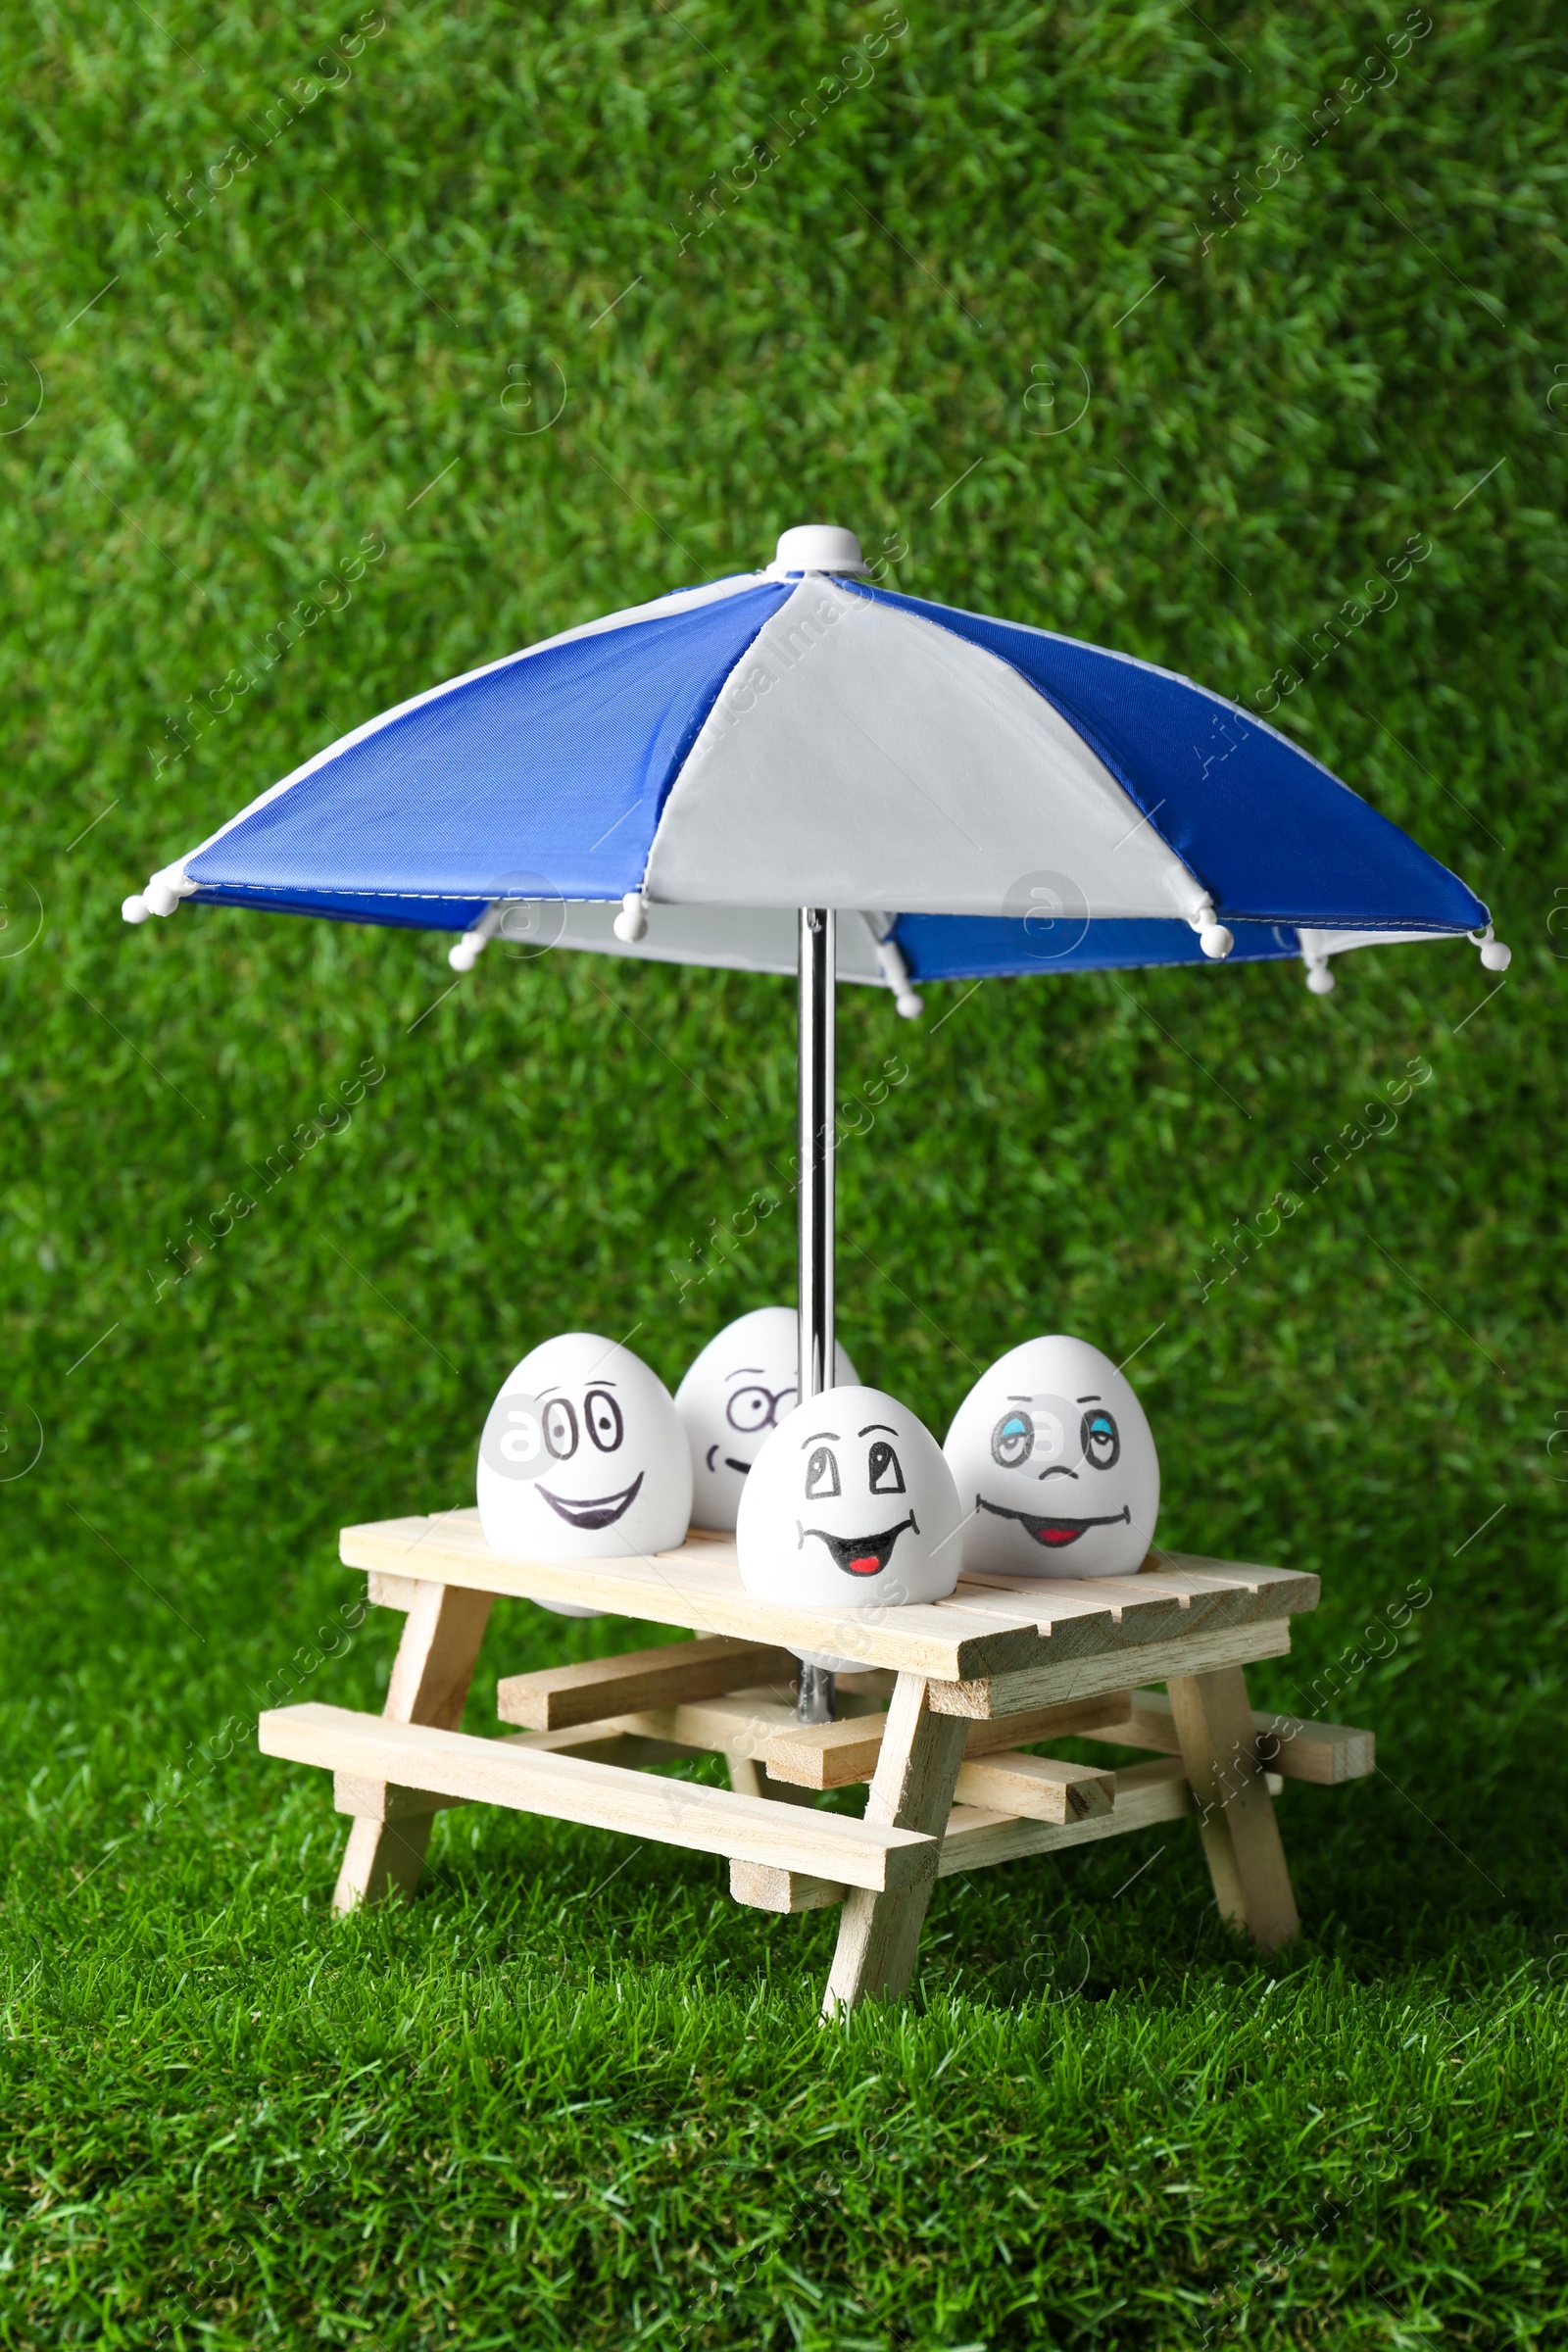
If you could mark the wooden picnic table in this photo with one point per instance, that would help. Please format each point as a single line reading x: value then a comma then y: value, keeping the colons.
x: 945, y: 1697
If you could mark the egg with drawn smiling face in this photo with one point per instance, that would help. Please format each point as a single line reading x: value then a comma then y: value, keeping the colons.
x: 1054, y: 1464
x: 732, y: 1397
x: 583, y: 1457
x: 850, y: 1504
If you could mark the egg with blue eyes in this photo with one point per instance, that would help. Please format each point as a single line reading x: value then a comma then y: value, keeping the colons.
x: 1054, y: 1464
x: 848, y: 1504
x: 733, y: 1397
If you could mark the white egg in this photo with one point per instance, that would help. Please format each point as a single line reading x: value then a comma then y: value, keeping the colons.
x: 1054, y: 1464
x: 583, y: 1457
x: 850, y: 1504
x: 732, y: 1395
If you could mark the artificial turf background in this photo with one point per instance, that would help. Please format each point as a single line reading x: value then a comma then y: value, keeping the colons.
x: 1201, y: 396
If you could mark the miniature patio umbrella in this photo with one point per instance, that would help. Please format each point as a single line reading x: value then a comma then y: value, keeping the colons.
x: 796, y: 770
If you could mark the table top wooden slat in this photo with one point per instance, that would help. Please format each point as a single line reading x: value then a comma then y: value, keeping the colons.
x: 991, y: 1625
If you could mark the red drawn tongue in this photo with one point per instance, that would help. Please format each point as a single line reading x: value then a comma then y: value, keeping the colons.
x: 865, y: 1563
x: 1055, y: 1536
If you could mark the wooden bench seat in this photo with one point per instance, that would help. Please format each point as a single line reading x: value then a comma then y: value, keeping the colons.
x: 602, y: 1797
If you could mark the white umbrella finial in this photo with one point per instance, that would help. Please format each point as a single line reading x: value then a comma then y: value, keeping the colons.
x: 818, y: 546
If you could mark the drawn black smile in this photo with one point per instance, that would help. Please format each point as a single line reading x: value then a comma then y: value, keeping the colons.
x: 1053, y: 1533
x: 860, y: 1555
x: 600, y: 1510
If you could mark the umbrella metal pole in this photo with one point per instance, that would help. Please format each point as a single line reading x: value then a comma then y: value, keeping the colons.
x: 817, y: 970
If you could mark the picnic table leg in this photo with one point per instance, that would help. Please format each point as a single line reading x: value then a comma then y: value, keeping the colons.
x: 429, y: 1683
x: 1214, y: 1720
x: 916, y: 1772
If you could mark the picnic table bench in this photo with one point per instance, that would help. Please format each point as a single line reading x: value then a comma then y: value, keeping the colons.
x: 945, y: 1697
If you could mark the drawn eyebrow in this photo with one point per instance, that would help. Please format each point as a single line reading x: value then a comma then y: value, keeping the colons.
x: 1020, y: 1401
x: 870, y: 1425
x: 1089, y: 1401
x: 821, y: 1433
x: 597, y: 1382
x: 550, y: 1391
x: 739, y: 1369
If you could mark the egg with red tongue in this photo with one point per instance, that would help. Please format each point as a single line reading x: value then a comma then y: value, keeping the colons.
x: 1055, y: 1465
x: 850, y: 1506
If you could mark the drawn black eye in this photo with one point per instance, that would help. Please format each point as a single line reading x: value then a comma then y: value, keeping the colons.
x: 821, y: 1473
x: 886, y: 1476
x: 750, y: 1410
x: 1101, y: 1440
x: 560, y: 1429
x: 1012, y: 1441
x: 603, y: 1415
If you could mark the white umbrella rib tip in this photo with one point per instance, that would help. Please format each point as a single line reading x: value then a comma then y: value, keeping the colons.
x: 895, y: 972
x: 1213, y: 938
x: 162, y: 894
x: 1315, y: 956
x: 471, y: 945
x: 631, y: 923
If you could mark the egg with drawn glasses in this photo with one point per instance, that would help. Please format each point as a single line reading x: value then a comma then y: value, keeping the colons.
x: 733, y: 1397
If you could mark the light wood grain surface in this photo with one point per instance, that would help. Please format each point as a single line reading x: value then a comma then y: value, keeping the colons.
x: 993, y: 1626
x: 879, y: 1856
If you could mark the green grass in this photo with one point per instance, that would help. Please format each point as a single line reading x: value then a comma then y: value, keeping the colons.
x: 572, y: 2096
